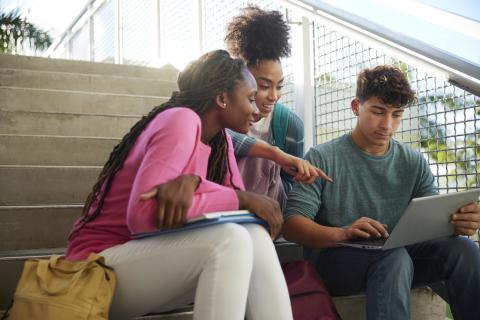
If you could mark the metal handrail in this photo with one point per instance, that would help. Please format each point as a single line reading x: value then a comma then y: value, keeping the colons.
x: 60, y: 39
x: 87, y: 10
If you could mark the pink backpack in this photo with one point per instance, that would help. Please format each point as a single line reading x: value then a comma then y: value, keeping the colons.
x: 308, y: 295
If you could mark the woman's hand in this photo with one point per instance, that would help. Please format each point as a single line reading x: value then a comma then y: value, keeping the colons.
x: 174, y: 198
x: 302, y: 170
x: 264, y: 207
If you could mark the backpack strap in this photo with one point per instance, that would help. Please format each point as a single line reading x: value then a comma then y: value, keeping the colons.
x: 280, y: 125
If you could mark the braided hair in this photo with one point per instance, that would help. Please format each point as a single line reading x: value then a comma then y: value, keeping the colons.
x: 257, y: 35
x: 201, y: 81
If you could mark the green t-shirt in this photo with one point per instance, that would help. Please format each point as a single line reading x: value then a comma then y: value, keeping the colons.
x: 379, y: 187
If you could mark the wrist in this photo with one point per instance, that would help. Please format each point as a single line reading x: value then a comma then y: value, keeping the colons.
x: 242, y: 199
x: 194, y: 179
x: 341, y: 234
x: 277, y: 154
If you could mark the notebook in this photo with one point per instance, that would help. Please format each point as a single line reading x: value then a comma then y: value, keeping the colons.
x: 208, y: 219
x: 424, y: 219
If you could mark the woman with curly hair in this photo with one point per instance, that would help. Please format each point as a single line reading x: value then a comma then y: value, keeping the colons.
x: 261, y: 39
x: 182, y: 147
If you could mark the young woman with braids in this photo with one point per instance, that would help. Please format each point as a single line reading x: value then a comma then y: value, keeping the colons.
x: 181, y: 152
x: 261, y: 39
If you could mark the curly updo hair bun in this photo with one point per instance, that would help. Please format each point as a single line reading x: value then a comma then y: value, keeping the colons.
x: 257, y: 35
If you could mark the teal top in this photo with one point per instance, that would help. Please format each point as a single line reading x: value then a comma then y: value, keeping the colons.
x: 379, y: 187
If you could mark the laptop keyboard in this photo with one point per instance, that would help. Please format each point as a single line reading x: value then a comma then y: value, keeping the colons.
x: 370, y: 242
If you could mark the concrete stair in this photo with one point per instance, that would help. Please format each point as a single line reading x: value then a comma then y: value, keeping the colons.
x: 77, y: 102
x: 82, y: 67
x: 84, y: 82
x: 59, y: 120
x: 65, y: 124
x: 46, y: 184
x: 29, y: 150
x: 34, y: 227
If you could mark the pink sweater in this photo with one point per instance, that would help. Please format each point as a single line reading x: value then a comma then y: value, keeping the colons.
x: 168, y: 147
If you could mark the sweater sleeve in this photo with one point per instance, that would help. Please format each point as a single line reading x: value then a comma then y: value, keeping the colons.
x: 233, y: 175
x: 173, y: 149
x: 241, y: 143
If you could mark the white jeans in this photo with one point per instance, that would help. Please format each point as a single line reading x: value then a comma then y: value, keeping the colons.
x: 227, y: 270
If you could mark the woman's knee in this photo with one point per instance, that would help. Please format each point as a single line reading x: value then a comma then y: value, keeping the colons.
x: 258, y: 233
x: 261, y: 240
x: 235, y: 238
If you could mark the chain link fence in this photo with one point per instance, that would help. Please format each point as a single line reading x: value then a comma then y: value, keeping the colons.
x: 139, y: 32
x: 104, y: 33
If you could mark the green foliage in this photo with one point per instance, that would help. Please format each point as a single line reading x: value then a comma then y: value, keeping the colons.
x: 448, y: 101
x: 400, y: 65
x: 459, y: 154
x: 438, y: 151
x: 431, y: 133
x: 448, y: 313
x: 15, y: 31
x: 326, y: 77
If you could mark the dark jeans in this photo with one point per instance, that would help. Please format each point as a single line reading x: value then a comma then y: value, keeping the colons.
x: 387, y: 276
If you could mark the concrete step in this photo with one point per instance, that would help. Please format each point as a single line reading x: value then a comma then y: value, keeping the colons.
x: 85, y: 82
x: 43, y: 185
x: 425, y: 305
x: 186, y: 314
x: 167, y: 72
x: 54, y: 150
x: 13, y: 269
x: 46, y: 100
x: 65, y: 124
x: 36, y: 227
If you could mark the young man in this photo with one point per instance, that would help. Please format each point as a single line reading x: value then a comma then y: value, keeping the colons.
x: 375, y: 179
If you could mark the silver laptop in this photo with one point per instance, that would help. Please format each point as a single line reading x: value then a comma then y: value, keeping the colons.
x: 425, y: 219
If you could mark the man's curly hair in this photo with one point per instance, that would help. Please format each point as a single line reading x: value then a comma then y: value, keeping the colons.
x: 257, y: 35
x: 387, y: 83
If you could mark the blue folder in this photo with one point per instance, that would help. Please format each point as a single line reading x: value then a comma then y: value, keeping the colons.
x: 208, y: 219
